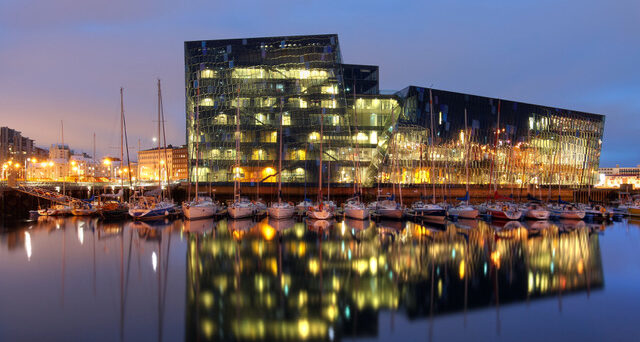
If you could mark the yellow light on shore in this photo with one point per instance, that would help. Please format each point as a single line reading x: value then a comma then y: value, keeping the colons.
x: 106, y: 162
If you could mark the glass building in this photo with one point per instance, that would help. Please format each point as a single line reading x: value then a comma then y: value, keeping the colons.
x: 302, y: 79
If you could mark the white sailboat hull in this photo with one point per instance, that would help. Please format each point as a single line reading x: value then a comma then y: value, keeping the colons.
x: 240, y: 212
x: 537, y: 214
x: 280, y: 212
x: 357, y: 213
x: 320, y: 214
x: 577, y: 215
x: 198, y: 211
x: 463, y: 213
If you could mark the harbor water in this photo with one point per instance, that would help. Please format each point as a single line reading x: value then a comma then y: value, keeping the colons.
x: 82, y: 279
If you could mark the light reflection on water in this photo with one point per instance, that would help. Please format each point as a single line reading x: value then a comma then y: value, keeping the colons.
x: 80, y: 278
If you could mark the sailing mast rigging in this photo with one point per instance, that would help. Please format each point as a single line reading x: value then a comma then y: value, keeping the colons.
x: 431, y: 154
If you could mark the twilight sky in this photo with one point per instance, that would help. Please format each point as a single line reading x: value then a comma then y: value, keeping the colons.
x: 66, y: 59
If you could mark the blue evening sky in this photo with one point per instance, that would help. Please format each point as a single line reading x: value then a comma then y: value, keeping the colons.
x: 66, y: 59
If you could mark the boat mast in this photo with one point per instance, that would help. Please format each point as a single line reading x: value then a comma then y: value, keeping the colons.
x: 356, y: 178
x: 236, y: 183
x: 495, y: 149
x: 197, y: 134
x: 164, y: 138
x: 466, y: 154
x: 126, y: 147
x: 158, y: 154
x: 64, y: 179
x: 93, y: 174
x: 320, y: 172
x: 398, y: 173
x: 431, y: 145
x: 329, y: 174
x: 280, y: 155
x: 121, y: 139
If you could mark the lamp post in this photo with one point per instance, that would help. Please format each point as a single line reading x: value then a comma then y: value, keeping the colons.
x: 107, y: 162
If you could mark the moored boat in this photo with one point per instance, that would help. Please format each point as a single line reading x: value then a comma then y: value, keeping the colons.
x: 320, y: 212
x: 281, y: 210
x: 568, y: 212
x: 534, y: 211
x: 433, y: 213
x: 355, y: 209
x: 463, y: 211
x: 387, y: 207
x: 199, y: 208
x: 504, y: 212
x: 241, y: 208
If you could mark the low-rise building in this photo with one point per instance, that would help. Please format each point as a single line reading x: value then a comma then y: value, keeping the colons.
x: 168, y: 164
x: 615, y: 177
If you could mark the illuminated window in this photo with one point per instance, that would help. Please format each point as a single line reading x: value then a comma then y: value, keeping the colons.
x: 332, y: 89
x: 314, y: 136
x: 221, y: 119
x: 286, y: 119
x: 207, y: 73
x: 206, y: 102
x: 373, y: 119
x: 531, y: 122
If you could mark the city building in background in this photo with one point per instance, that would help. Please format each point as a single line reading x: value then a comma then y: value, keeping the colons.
x: 14, y: 147
x: 506, y: 142
x: 172, y: 162
x: 617, y: 177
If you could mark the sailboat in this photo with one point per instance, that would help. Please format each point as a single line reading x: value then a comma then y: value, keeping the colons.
x: 430, y: 212
x: 386, y: 206
x: 201, y: 206
x: 306, y: 203
x: 59, y: 209
x: 280, y: 209
x: 241, y: 207
x: 464, y: 210
x: 320, y: 211
x: 354, y: 208
x: 153, y: 206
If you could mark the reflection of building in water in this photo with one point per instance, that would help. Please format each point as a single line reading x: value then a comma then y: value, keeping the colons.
x: 250, y: 283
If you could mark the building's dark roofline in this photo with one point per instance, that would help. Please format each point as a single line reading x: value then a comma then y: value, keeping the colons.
x: 406, y: 89
x: 361, y: 65
x: 258, y: 38
x: 169, y: 147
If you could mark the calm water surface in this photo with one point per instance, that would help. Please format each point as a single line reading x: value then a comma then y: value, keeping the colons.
x: 82, y: 279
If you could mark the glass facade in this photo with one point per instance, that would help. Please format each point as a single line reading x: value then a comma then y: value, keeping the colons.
x: 303, y: 77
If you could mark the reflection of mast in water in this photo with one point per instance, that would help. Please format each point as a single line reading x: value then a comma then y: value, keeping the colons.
x: 162, y: 281
x: 64, y: 260
x: 431, y: 302
x: 93, y: 236
x: 124, y: 289
x: 496, y: 267
x: 465, y: 272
